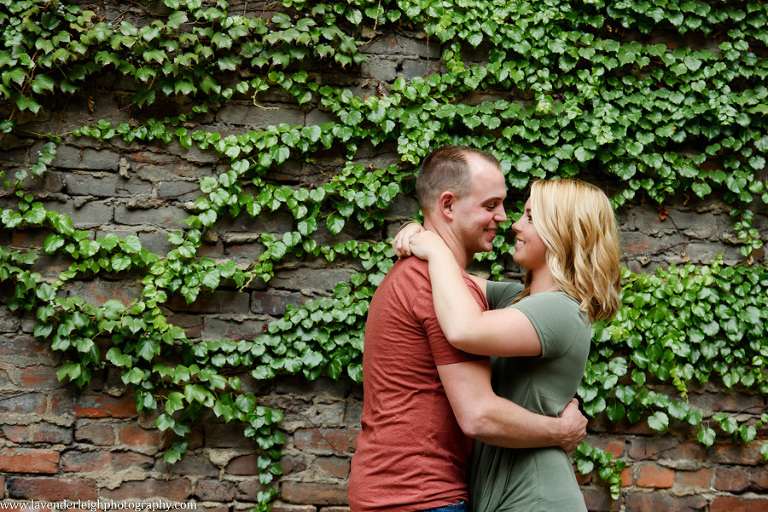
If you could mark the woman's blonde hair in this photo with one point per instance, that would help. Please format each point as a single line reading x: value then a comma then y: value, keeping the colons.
x: 576, y: 222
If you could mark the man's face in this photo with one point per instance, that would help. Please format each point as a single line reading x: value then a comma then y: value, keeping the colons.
x: 477, y: 215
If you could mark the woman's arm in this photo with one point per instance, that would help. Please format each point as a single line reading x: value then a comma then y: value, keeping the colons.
x: 502, y: 332
x: 402, y: 247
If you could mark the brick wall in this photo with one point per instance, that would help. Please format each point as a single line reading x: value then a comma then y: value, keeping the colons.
x: 60, y: 443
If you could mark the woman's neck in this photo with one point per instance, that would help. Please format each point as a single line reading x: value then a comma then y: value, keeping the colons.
x: 543, y: 282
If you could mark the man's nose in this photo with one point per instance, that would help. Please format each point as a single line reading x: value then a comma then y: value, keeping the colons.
x: 501, y: 215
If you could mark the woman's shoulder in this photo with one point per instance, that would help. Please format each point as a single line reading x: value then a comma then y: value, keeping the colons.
x: 502, y: 294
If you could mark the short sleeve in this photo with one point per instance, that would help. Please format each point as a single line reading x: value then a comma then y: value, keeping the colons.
x: 424, y: 309
x: 502, y: 294
x: 558, y: 321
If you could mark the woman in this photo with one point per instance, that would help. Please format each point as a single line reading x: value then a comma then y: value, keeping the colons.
x: 539, y: 333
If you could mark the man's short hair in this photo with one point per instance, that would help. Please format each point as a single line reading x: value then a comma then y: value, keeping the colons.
x: 446, y: 169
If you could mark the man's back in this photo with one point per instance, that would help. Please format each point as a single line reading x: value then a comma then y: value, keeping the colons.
x: 411, y: 454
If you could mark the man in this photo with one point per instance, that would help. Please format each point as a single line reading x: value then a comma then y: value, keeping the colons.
x: 424, y: 400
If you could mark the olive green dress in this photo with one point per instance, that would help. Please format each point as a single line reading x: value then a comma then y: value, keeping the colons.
x: 540, y: 479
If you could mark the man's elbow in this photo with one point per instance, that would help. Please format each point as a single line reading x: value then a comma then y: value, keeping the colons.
x: 475, y: 424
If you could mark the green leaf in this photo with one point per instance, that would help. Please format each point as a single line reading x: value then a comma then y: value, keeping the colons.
x: 335, y: 223
x: 658, y: 421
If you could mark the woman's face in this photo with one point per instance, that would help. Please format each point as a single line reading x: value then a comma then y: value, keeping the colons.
x: 530, y: 251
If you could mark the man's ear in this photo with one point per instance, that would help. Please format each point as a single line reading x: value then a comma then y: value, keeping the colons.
x: 445, y: 204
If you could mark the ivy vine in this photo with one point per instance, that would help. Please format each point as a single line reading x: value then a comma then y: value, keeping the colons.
x: 565, y: 89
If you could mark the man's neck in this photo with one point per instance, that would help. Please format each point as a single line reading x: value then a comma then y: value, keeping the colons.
x: 458, y: 250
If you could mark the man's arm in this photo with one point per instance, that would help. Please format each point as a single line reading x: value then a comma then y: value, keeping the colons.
x: 483, y: 415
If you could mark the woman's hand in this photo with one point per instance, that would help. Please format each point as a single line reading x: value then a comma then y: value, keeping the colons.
x: 426, y: 245
x: 401, y: 242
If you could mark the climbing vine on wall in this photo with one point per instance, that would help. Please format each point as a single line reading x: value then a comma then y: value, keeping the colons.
x: 568, y: 88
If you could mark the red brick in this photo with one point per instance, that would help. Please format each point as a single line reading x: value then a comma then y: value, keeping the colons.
x: 334, y: 440
x: 701, y: 479
x: 249, y: 490
x: 192, y: 324
x: 244, y: 465
x: 173, y: 490
x: 601, y: 424
x: 40, y: 377
x: 615, y: 448
x: 626, y: 477
x: 215, y: 490
x: 51, y: 489
x: 748, y: 454
x: 319, y: 494
x: 18, y: 460
x: 665, y: 448
x: 583, y: 479
x: 30, y: 238
x: 213, y: 302
x: 285, y: 507
x: 658, y: 502
x: 137, y: 436
x: 217, y: 329
x: 655, y: 477
x: 192, y: 464
x: 86, y: 462
x: 296, y: 463
x: 24, y: 403
x: 336, y: 467
x: 54, y: 434
x: 738, y: 504
x: 758, y: 478
x: 104, y: 406
x: 16, y: 433
x: 727, y: 402
x: 26, y: 348
x: 99, y: 434
x: 599, y: 500
x: 731, y: 479
x: 226, y: 436
x: 271, y: 303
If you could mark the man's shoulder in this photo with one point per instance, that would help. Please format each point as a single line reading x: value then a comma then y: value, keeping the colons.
x: 411, y: 266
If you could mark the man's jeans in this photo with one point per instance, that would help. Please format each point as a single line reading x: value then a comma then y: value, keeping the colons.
x: 456, y: 507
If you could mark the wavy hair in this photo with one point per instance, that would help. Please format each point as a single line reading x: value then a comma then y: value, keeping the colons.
x: 576, y: 222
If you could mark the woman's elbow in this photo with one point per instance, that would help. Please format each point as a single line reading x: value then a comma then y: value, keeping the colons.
x: 461, y: 338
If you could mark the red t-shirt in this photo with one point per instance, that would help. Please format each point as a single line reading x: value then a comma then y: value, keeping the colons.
x: 411, y: 454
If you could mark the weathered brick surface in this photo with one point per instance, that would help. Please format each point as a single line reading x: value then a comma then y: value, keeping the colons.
x: 732, y: 479
x: 95, y: 406
x: 59, y: 442
x: 25, y: 460
x: 214, y: 490
x: 173, y: 490
x: 652, y: 501
x: 738, y: 504
x: 97, y: 461
x: 325, y: 440
x: 655, y: 477
x: 701, y: 479
x: 100, y: 434
x: 314, y: 493
x: 52, y: 489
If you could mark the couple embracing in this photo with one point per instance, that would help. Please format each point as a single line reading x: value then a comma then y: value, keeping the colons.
x: 444, y: 426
